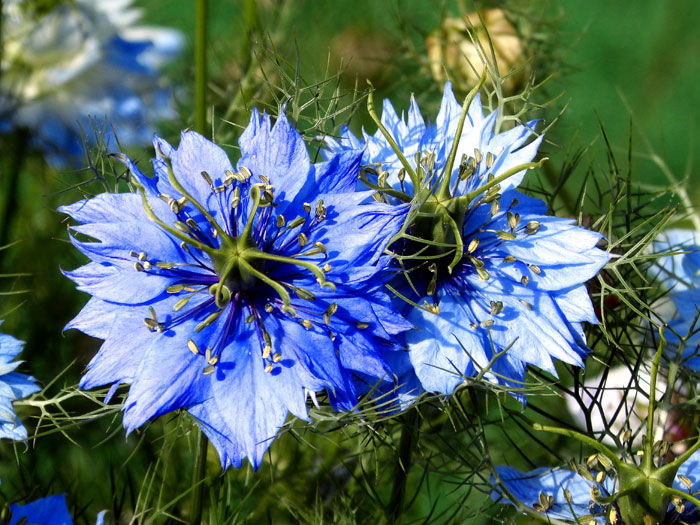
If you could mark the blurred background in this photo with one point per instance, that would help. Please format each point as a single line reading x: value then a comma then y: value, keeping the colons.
x: 631, y: 69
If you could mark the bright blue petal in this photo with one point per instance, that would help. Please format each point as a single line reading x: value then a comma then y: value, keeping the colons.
x: 527, y: 487
x: 51, y: 510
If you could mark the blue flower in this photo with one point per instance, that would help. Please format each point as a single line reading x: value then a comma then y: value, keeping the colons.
x: 81, y: 61
x: 538, y: 486
x: 680, y: 273
x: 235, y: 293
x: 495, y: 282
x: 51, y: 510
x: 13, y: 386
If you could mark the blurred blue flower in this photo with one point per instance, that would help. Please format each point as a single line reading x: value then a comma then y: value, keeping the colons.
x: 538, y: 486
x: 256, y: 286
x: 515, y: 295
x: 51, y: 510
x: 82, y: 63
x: 680, y: 273
x: 13, y: 386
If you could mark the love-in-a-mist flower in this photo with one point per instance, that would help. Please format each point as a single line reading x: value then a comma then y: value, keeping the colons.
x: 70, y: 62
x: 680, y: 275
x: 569, y: 495
x: 494, y: 282
x: 13, y: 386
x: 51, y: 510
x: 235, y: 292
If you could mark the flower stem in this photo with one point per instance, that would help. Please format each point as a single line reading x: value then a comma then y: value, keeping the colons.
x: 198, y: 475
x: 443, y: 191
x: 649, y: 443
x: 10, y: 189
x: 200, y: 125
x: 200, y: 68
x: 409, y: 439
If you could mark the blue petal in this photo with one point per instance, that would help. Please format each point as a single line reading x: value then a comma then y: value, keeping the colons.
x: 339, y: 174
x: 194, y: 155
x: 51, y: 510
x: 527, y: 487
x: 278, y: 153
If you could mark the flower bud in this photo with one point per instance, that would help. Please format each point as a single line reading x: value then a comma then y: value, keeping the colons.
x: 454, y: 54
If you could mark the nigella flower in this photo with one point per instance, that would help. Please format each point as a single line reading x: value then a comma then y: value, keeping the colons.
x: 13, y: 386
x: 235, y: 292
x: 680, y: 274
x: 494, y: 282
x: 77, y: 63
x: 51, y: 510
x: 568, y: 495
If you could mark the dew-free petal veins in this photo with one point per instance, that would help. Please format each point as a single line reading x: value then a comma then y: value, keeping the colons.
x: 236, y: 292
x: 484, y: 271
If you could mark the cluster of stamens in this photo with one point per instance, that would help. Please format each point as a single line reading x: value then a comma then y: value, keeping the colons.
x: 230, y: 263
x: 443, y: 201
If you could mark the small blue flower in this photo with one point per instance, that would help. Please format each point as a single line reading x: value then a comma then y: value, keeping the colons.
x: 51, y: 510
x: 494, y: 281
x: 13, y: 386
x: 528, y: 487
x: 235, y: 293
x: 680, y: 273
x: 80, y: 63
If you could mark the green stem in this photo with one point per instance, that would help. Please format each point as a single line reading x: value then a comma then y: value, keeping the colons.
x: 198, y: 476
x: 649, y: 443
x: 602, y: 449
x: 320, y: 276
x: 443, y: 191
x: 409, y: 439
x: 10, y: 190
x: 172, y: 231
x: 517, y: 169
x: 670, y: 491
x: 200, y: 67
x: 404, y: 162
x: 284, y: 295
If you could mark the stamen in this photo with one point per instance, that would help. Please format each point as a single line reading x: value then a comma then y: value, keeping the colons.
x: 535, y: 269
x: 513, y: 220
x: 532, y: 227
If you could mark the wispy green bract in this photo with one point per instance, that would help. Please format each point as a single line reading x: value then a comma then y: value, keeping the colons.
x: 13, y: 386
x: 235, y: 293
x: 496, y: 283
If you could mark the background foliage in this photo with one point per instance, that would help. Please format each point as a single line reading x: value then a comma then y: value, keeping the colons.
x: 622, y: 64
